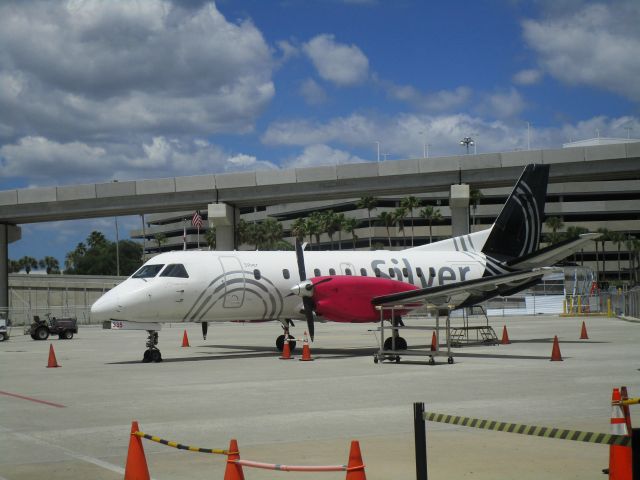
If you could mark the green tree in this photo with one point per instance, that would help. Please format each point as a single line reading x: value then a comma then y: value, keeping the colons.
x: 28, y: 263
x: 71, y: 259
x: 268, y: 234
x: 575, y: 231
x: 431, y: 214
x: 386, y: 219
x: 96, y: 239
x: 100, y: 259
x: 314, y: 227
x: 299, y: 228
x: 370, y: 203
x: 160, y: 239
x: 618, y: 239
x: 554, y: 224
x: 399, y: 215
x: 339, y: 223
x: 50, y: 264
x: 350, y: 226
x: 604, y: 237
x: 14, y: 266
x: 410, y: 203
x: 328, y: 224
x: 210, y: 237
x: 475, y: 195
x: 242, y: 228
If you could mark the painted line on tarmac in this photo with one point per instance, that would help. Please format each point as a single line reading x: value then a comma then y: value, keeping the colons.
x: 31, y: 399
x: 66, y: 451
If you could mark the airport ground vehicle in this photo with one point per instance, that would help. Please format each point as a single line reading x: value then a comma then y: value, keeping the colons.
x: 63, y: 327
x: 5, y: 323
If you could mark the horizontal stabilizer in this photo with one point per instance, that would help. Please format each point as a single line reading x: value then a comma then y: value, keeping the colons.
x: 553, y: 253
x: 455, y: 294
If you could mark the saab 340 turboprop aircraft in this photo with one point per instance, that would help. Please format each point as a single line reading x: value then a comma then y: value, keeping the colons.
x: 339, y: 286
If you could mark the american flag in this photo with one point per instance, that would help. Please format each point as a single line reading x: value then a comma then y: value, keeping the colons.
x: 196, y: 220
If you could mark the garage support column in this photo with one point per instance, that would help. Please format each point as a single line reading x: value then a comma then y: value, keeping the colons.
x: 459, y: 203
x: 223, y: 217
x: 4, y: 268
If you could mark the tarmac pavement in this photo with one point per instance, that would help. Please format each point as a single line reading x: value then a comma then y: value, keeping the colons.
x: 305, y: 413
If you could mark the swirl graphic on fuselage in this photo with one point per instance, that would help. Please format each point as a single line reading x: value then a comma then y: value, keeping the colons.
x: 237, y: 281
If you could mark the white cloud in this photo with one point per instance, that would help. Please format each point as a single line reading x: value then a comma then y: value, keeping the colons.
x: 503, y: 104
x: 596, y: 45
x: 322, y: 155
x: 344, y: 65
x: 75, y: 70
x: 429, y: 102
x: 527, y: 77
x: 404, y: 135
x: 312, y: 93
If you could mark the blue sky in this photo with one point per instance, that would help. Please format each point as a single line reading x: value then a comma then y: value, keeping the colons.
x: 92, y: 90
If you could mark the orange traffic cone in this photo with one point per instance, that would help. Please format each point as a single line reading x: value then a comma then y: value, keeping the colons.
x: 434, y: 342
x: 555, y: 352
x: 286, y: 350
x: 136, y: 467
x: 306, y: 350
x: 185, y: 340
x: 355, y: 467
x: 505, y: 336
x: 620, y: 459
x: 52, y: 363
x: 583, y: 332
x: 233, y: 470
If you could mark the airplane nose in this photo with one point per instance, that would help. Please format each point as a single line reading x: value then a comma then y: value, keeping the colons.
x: 104, y: 308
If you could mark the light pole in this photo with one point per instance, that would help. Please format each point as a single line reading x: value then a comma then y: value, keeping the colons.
x: 466, y: 141
x: 426, y: 148
x: 378, y: 143
x: 117, y: 244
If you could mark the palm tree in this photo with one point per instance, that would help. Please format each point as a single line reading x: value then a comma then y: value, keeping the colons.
x: 314, y: 226
x: 14, y: 266
x: 574, y: 232
x: 299, y: 228
x: 633, y: 245
x: 475, y: 195
x: 604, y: 236
x: 271, y: 234
x: 339, y: 222
x: 210, y: 238
x: 72, y: 258
x: 370, y: 203
x: 50, y: 264
x: 399, y: 214
x: 386, y: 219
x: 431, y: 214
x: 160, y: 239
x: 554, y: 224
x: 350, y: 226
x: 28, y: 263
x: 242, y: 229
x: 327, y: 224
x: 618, y: 239
x: 96, y: 239
x: 410, y: 203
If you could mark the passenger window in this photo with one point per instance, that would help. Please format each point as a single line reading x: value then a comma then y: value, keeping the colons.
x: 405, y: 272
x: 363, y: 272
x: 285, y: 274
x: 419, y: 272
x: 332, y: 271
x: 176, y: 270
x: 147, y: 271
x: 256, y: 274
x: 392, y: 273
x: 316, y: 272
x: 347, y: 271
x: 377, y: 272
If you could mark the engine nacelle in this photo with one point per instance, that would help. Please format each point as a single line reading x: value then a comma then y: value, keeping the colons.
x: 348, y: 299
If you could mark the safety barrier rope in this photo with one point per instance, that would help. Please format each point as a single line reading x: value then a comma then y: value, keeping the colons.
x: 546, y: 432
x: 250, y: 463
x: 296, y: 468
x: 218, y: 451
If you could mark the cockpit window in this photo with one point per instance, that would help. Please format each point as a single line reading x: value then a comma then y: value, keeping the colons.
x: 175, y: 270
x: 148, y: 271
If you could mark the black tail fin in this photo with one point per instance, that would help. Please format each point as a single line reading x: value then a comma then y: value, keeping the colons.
x: 516, y: 231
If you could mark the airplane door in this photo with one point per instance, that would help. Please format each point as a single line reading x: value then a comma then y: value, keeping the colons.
x: 234, y: 283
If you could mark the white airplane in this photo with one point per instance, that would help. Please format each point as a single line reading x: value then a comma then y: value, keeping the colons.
x: 339, y: 286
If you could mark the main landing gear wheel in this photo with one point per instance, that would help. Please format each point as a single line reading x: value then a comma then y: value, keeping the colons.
x: 450, y: 360
x: 431, y: 361
x: 280, y: 343
x: 152, y: 354
x: 401, y: 343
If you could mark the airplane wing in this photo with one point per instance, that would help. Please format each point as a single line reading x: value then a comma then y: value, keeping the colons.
x: 455, y: 294
x: 552, y: 253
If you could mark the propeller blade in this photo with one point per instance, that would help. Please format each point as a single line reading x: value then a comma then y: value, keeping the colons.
x: 300, y: 259
x: 308, y: 312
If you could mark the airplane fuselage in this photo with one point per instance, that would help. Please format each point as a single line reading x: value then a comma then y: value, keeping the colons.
x: 256, y: 286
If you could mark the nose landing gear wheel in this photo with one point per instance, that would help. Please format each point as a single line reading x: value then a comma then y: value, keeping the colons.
x: 280, y: 343
x: 401, y: 343
x: 152, y: 354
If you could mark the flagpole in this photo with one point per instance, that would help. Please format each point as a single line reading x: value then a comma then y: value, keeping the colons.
x: 198, y: 236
